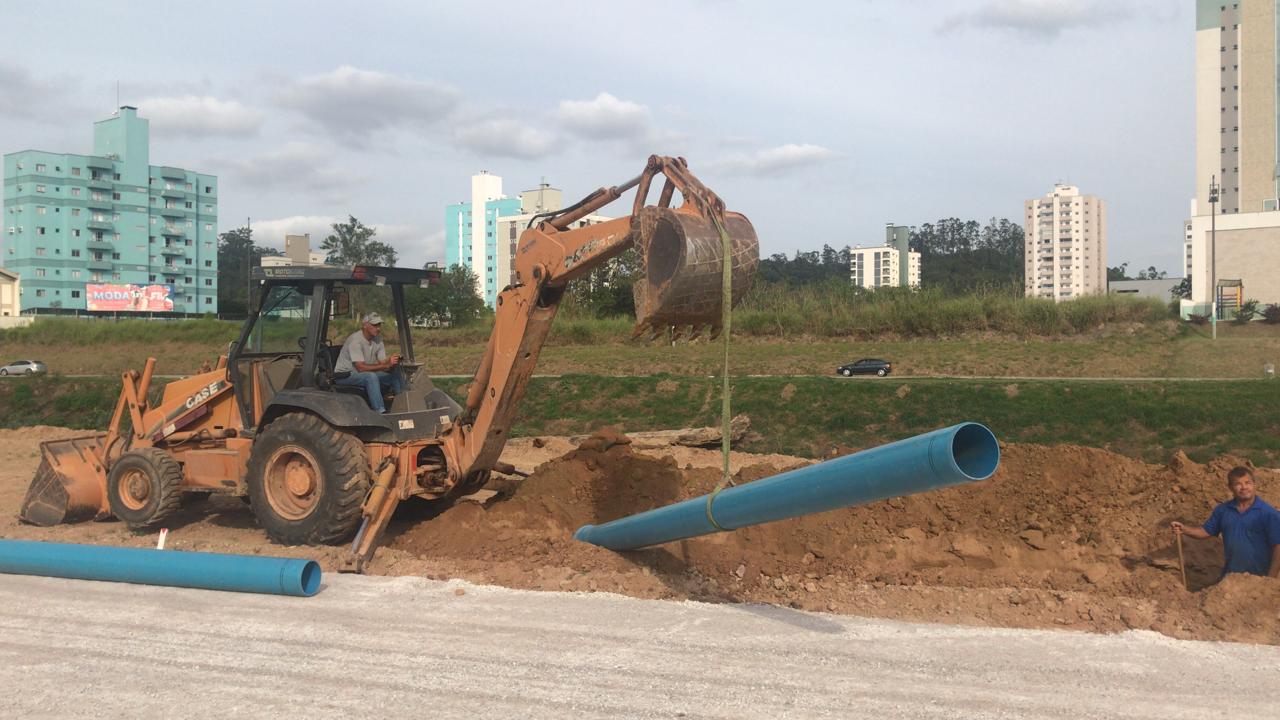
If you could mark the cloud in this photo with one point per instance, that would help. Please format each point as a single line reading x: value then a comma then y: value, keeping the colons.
x: 505, y: 138
x: 1043, y: 18
x: 354, y: 104
x: 296, y: 164
x: 776, y: 161
x: 26, y: 96
x: 605, y: 118
x: 200, y: 116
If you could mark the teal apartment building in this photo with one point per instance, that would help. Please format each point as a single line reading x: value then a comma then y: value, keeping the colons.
x: 470, y: 234
x: 109, y: 218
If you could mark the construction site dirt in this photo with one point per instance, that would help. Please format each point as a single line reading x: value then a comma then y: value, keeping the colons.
x: 1062, y: 537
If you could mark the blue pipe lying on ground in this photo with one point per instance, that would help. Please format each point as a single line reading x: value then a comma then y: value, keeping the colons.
x: 962, y: 453
x: 209, y: 571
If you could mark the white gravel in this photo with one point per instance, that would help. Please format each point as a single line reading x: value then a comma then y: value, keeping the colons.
x: 408, y: 647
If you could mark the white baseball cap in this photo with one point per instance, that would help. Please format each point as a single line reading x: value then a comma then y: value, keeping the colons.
x: 372, y: 318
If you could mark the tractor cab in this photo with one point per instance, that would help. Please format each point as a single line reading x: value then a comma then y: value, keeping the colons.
x: 284, y: 358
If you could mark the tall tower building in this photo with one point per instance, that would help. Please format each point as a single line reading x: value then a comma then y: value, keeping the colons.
x: 1066, y: 245
x: 470, y: 232
x: 1236, y: 146
x: 110, y: 218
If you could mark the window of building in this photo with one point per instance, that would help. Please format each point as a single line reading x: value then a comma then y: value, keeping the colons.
x: 39, y: 230
x: 151, y: 278
x: 208, y: 282
x: 208, y: 300
x: 115, y: 276
x: 208, y: 263
x: 208, y: 189
x: 188, y: 205
x: 115, y: 256
x: 75, y: 192
x: 75, y: 273
x: 186, y: 279
x: 75, y: 253
x: 39, y: 167
x: 40, y: 292
x: 40, y: 209
x: 115, y: 196
x: 39, y: 188
x: 186, y: 261
x: 96, y: 277
x: 40, y: 252
x: 75, y: 171
x: 208, y: 226
x: 116, y: 176
x: 75, y: 293
x: 39, y: 272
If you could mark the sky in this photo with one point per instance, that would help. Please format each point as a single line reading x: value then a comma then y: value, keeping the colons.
x: 820, y: 121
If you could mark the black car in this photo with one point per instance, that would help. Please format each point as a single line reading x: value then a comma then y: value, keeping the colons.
x: 866, y: 366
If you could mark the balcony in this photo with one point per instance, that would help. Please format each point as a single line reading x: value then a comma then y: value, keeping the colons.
x: 171, y: 212
x: 103, y: 264
x: 173, y: 231
x: 173, y: 250
x: 95, y: 244
x: 174, y: 193
x: 99, y: 184
x: 98, y: 204
x: 100, y: 163
x: 100, y: 224
x: 173, y: 173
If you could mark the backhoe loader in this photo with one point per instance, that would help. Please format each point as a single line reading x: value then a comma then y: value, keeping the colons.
x: 315, y: 462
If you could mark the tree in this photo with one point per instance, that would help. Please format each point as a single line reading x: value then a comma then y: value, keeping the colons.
x: 1182, y: 290
x: 1247, y: 311
x: 236, y: 254
x: 961, y: 256
x: 352, y: 243
x: 1152, y: 274
x: 606, y: 291
x: 1118, y: 273
x: 451, y: 301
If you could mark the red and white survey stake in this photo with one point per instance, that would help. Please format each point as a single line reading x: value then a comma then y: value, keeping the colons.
x: 164, y: 533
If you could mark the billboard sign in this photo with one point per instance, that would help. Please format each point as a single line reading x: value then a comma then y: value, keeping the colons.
x: 129, y: 298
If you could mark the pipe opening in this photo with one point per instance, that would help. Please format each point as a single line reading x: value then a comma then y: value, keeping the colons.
x: 975, y: 451
x: 310, y: 579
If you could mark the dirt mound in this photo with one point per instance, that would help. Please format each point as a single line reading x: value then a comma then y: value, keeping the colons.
x: 1062, y: 536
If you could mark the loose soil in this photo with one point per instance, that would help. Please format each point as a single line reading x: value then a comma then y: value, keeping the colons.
x: 1062, y: 537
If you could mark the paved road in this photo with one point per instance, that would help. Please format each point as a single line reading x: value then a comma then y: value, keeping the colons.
x: 408, y: 647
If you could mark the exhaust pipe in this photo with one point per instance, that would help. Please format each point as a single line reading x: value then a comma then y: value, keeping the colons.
x: 963, y: 453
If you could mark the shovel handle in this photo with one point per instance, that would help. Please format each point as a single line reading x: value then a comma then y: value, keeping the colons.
x: 1182, y: 564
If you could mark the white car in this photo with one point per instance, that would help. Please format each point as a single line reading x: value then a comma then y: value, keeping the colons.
x: 23, y: 367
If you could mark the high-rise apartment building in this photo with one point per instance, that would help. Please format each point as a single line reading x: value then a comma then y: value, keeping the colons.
x: 1237, y: 148
x: 470, y: 232
x: 889, y: 265
x: 109, y: 218
x: 1066, y: 245
x: 505, y: 219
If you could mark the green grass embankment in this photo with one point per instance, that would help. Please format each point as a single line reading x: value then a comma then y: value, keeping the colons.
x: 813, y: 416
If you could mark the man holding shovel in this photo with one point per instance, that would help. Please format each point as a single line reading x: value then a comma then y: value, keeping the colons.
x: 1250, y: 528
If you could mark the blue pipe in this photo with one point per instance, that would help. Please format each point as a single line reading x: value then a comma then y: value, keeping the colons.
x: 961, y: 453
x: 209, y: 571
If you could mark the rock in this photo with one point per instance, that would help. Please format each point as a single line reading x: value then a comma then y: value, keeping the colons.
x: 811, y: 587
x: 970, y: 548
x: 779, y: 583
x: 1096, y: 573
x: 539, y: 442
x: 912, y: 534
x: 808, y: 558
x: 1034, y: 538
x: 742, y: 570
x: 459, y: 592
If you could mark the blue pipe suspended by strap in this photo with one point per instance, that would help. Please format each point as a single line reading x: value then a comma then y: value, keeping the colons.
x: 962, y: 453
x: 208, y: 571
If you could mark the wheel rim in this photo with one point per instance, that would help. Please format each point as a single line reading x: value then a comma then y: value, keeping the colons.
x: 292, y: 482
x: 135, y: 489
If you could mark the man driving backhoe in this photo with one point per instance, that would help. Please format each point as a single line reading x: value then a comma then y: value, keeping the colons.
x: 363, y: 362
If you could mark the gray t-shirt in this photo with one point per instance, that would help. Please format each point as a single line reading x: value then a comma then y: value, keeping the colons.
x: 358, y: 349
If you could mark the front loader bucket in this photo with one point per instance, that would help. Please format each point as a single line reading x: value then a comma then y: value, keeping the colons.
x: 683, y: 257
x: 70, y: 485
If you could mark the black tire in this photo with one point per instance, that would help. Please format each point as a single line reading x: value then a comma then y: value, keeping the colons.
x: 29, y: 371
x: 882, y: 372
x: 846, y: 372
x: 4, y: 371
x: 144, y: 487
x: 307, y: 481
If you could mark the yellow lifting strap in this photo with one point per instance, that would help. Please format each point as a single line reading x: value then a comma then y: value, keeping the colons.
x: 726, y: 313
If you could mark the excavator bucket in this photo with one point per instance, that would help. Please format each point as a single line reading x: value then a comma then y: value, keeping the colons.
x: 683, y: 258
x: 70, y: 484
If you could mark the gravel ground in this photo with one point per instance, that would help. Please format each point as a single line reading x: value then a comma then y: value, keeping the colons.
x: 408, y: 647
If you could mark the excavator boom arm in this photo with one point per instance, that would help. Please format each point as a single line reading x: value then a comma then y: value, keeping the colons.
x: 682, y: 256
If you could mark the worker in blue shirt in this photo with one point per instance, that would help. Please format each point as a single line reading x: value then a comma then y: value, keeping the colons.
x: 1250, y: 528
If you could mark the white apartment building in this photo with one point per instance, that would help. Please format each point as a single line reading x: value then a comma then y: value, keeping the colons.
x: 1236, y: 147
x: 1066, y: 245
x: 883, y: 266
x: 297, y: 251
x: 541, y: 199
